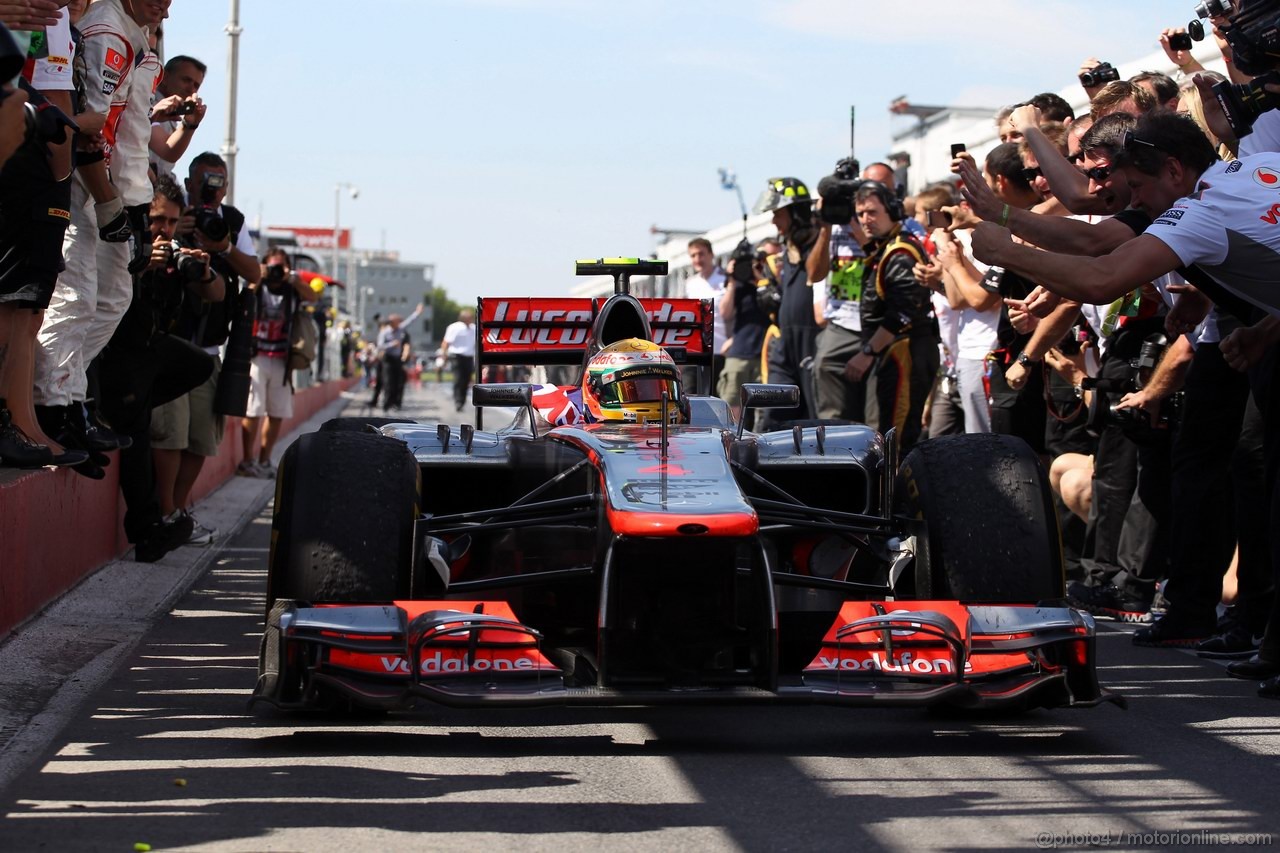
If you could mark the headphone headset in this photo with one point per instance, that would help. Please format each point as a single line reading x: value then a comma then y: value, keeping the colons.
x: 892, y: 204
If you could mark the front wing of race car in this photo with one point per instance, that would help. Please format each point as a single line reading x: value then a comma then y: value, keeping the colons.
x: 477, y: 654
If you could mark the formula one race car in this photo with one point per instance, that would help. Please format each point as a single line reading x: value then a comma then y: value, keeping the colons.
x: 672, y: 557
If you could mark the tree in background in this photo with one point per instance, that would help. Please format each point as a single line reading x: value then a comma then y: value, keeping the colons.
x: 443, y: 312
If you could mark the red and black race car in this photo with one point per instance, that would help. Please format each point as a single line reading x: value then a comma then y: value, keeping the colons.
x: 609, y: 563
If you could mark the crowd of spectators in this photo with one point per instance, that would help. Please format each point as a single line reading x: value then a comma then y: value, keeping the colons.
x: 124, y: 285
x: 1105, y: 287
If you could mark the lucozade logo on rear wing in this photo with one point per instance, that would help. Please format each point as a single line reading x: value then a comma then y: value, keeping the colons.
x: 539, y: 324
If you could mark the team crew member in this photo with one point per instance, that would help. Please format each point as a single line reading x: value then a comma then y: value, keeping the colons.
x: 460, y: 344
x: 1218, y: 220
x: 899, y: 355
x: 95, y: 289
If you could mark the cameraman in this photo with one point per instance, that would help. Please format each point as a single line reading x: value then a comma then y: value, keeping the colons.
x: 187, y: 431
x: 791, y: 355
x: 144, y: 365
x: 215, y: 227
x: 177, y: 113
x: 899, y: 354
x: 741, y: 308
x: 271, y: 386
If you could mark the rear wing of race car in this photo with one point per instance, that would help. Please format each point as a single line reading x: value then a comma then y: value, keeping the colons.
x: 548, y: 330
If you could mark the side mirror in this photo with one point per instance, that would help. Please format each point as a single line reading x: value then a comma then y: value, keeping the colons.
x: 513, y: 395
x: 503, y: 394
x: 757, y: 396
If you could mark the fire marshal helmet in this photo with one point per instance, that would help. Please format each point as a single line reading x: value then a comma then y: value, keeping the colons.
x: 782, y: 192
x: 625, y: 382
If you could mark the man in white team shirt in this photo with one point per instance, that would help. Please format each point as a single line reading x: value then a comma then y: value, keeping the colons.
x: 460, y: 345
x: 96, y: 287
x: 1220, y: 219
x: 708, y: 282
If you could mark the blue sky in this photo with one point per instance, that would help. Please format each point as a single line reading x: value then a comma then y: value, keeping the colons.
x: 502, y: 139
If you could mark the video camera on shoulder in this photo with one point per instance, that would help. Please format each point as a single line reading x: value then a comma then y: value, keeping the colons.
x: 744, y: 259
x: 1253, y: 32
x: 209, y: 221
x: 837, y: 191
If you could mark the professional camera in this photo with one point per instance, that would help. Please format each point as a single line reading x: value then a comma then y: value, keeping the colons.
x: 1213, y: 8
x: 274, y: 276
x: 1253, y: 32
x: 1243, y: 103
x: 837, y: 191
x: 1107, y: 393
x: 1099, y: 75
x: 744, y: 258
x: 187, y: 266
x: 209, y: 221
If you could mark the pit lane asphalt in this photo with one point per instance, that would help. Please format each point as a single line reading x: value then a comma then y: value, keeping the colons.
x: 149, y: 741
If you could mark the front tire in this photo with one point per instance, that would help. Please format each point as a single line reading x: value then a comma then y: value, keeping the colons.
x: 992, y: 530
x: 342, y: 529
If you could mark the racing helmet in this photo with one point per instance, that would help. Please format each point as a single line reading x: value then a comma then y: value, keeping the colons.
x: 782, y: 192
x: 625, y: 382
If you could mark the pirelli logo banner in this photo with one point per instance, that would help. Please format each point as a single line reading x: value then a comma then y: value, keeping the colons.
x: 555, y: 330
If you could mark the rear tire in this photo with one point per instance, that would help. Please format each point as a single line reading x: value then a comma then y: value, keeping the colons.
x: 992, y: 530
x: 342, y: 530
x: 360, y: 424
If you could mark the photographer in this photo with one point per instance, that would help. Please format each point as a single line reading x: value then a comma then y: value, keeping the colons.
x: 791, y: 355
x: 745, y: 307
x: 177, y: 112
x: 188, y: 430
x: 144, y: 365
x: 271, y: 388
x: 899, y: 355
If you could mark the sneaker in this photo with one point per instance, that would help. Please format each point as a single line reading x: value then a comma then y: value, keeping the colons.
x: 200, y: 534
x: 266, y: 470
x: 1109, y: 601
x: 1174, y: 630
x: 1123, y: 606
x: 1232, y: 642
x: 1253, y: 669
x: 162, y: 537
x: 247, y: 469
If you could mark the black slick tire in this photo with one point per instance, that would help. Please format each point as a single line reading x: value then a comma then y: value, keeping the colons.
x: 360, y: 424
x: 342, y: 530
x: 992, y: 530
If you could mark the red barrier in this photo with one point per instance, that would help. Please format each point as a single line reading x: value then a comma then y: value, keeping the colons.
x: 57, y: 527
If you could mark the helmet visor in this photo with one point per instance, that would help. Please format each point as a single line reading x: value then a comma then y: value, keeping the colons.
x: 648, y: 390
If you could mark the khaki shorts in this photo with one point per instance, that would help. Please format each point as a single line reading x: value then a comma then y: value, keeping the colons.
x: 189, y: 423
x: 736, y: 373
x: 268, y: 393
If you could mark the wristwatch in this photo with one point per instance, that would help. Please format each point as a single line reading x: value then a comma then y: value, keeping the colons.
x: 1078, y: 390
x: 1024, y: 359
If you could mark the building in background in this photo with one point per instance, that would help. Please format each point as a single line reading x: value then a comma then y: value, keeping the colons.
x: 372, y: 282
